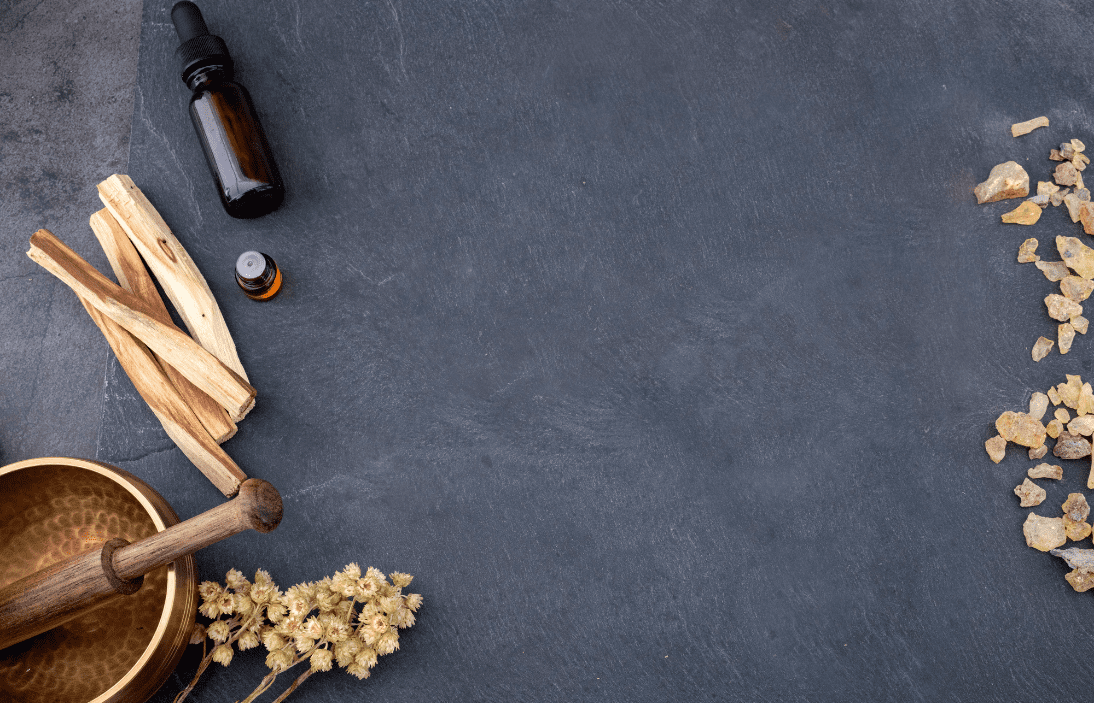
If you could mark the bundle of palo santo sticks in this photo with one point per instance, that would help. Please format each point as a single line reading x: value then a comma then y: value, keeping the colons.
x: 195, y: 384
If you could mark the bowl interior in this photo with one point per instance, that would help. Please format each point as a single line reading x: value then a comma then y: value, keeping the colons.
x: 48, y: 513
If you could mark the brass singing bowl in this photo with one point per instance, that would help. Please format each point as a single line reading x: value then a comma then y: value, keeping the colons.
x: 122, y: 652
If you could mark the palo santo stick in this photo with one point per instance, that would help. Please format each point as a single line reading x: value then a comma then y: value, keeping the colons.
x: 169, y: 342
x: 163, y: 398
x: 132, y: 276
x: 174, y: 269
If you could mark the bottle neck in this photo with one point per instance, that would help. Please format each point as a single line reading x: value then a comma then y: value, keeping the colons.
x: 209, y: 76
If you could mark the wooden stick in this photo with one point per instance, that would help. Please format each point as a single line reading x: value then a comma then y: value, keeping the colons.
x: 172, y: 266
x: 177, y: 418
x: 134, y: 277
x: 169, y: 342
x: 67, y: 589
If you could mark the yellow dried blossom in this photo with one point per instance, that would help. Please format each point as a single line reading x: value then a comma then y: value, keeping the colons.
x: 313, y: 628
x: 279, y: 660
x: 222, y: 654
x: 321, y: 660
x: 236, y: 580
x: 219, y: 631
x: 402, y: 618
x: 366, y: 658
x: 348, y: 618
x: 248, y: 640
x: 271, y: 640
x: 346, y: 651
x: 209, y: 590
x: 388, y: 642
x: 366, y: 588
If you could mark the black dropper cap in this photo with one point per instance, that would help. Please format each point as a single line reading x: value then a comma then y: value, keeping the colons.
x: 198, y: 48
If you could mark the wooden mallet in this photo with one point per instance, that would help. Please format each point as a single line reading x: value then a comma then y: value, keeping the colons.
x: 69, y: 588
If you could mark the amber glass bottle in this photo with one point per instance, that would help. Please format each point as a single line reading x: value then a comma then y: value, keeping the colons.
x: 257, y: 275
x: 235, y: 146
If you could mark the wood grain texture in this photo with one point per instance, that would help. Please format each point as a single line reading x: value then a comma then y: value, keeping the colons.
x: 133, y: 314
x: 180, y: 422
x: 134, y: 277
x: 257, y: 507
x: 172, y: 266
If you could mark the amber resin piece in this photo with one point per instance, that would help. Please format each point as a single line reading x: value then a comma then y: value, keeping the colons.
x: 1086, y: 216
x: 1082, y: 580
x: 1080, y: 324
x: 1062, y: 415
x: 1065, y: 334
x: 1044, y: 533
x: 1025, y: 214
x: 1057, y: 198
x: 1053, y: 471
x: 1019, y: 128
x: 1076, y: 530
x: 1038, y: 453
x: 1085, y: 405
x: 1030, y: 494
x: 1070, y: 391
x: 1071, y: 446
x: 1038, y: 405
x: 1053, y: 270
x: 1065, y: 174
x: 1021, y: 429
x: 1006, y: 180
x: 1076, y: 288
x: 1076, y: 507
x: 1083, y: 425
x: 1054, y: 428
x: 996, y: 448
x: 1072, y: 203
x: 1041, y: 348
x: 1047, y: 188
x: 1060, y: 308
x: 1027, y: 252
x: 1077, y: 256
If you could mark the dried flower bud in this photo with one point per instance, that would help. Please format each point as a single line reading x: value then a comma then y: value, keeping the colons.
x: 346, y: 651
x: 271, y: 640
x: 313, y: 628
x: 209, y: 590
x: 219, y: 631
x: 222, y: 654
x: 338, y: 631
x: 262, y: 578
x: 414, y: 601
x: 366, y: 588
x: 303, y: 643
x: 261, y: 594
x: 400, y: 579
x: 366, y: 658
x: 378, y: 623
x: 358, y: 671
x: 236, y: 580
x: 248, y: 640
x: 321, y: 660
x: 242, y: 604
x: 276, y: 612
x: 391, y: 604
x: 388, y: 643
x: 402, y: 618
x: 197, y: 635
x: 352, y: 571
x: 326, y: 599
x: 279, y: 660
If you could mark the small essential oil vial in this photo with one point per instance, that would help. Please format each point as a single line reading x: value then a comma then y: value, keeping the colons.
x: 258, y: 275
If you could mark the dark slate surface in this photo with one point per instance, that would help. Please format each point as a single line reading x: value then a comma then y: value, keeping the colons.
x: 658, y: 340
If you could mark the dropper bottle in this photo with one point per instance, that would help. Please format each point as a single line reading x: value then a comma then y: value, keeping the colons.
x: 233, y: 141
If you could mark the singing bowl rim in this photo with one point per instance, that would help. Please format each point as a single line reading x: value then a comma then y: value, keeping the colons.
x: 176, y: 621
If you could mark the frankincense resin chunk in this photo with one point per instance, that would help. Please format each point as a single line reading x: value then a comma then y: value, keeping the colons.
x: 1044, y: 533
x: 1030, y: 494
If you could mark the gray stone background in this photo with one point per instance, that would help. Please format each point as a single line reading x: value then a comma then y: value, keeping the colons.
x: 658, y: 340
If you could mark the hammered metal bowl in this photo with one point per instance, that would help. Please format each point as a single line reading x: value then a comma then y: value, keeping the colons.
x: 121, y: 652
